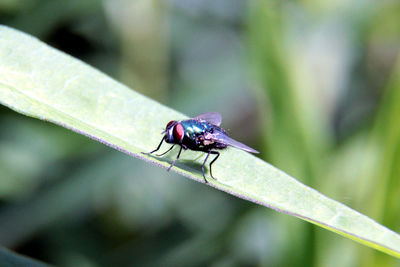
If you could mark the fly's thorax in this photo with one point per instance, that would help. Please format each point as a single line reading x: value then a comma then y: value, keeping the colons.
x: 199, y: 135
x: 194, y: 128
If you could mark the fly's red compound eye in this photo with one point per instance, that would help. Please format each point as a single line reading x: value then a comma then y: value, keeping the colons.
x: 170, y: 124
x: 178, y: 132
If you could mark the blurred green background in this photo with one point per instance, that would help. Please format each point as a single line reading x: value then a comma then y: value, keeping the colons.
x: 314, y: 85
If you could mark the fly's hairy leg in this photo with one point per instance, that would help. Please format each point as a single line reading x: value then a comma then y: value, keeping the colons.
x: 148, y: 153
x: 173, y: 163
x: 217, y: 153
x: 162, y: 154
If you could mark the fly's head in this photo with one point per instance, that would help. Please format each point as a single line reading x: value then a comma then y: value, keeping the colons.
x: 174, y: 132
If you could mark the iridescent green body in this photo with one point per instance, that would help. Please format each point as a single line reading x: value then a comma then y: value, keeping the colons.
x: 194, y: 127
x: 194, y: 130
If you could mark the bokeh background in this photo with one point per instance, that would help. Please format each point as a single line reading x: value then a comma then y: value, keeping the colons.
x: 314, y: 85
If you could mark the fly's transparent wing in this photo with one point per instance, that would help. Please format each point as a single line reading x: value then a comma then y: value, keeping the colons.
x: 223, y: 138
x: 211, y: 117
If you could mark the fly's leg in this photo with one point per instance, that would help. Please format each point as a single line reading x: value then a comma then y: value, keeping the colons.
x: 217, y: 153
x: 204, y: 163
x: 148, y: 153
x: 162, y: 154
x: 202, y: 166
x: 173, y: 163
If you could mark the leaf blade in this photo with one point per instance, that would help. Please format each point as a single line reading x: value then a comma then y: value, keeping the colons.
x: 10, y: 258
x: 41, y: 82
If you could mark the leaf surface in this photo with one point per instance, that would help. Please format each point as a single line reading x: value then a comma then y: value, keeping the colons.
x: 41, y: 82
x: 9, y: 258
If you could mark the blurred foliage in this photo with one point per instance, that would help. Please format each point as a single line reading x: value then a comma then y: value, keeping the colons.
x: 315, y: 83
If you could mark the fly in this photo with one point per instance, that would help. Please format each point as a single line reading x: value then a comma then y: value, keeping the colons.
x: 201, y: 133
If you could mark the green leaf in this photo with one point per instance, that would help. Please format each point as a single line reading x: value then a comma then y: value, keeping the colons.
x: 9, y: 258
x: 44, y: 83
